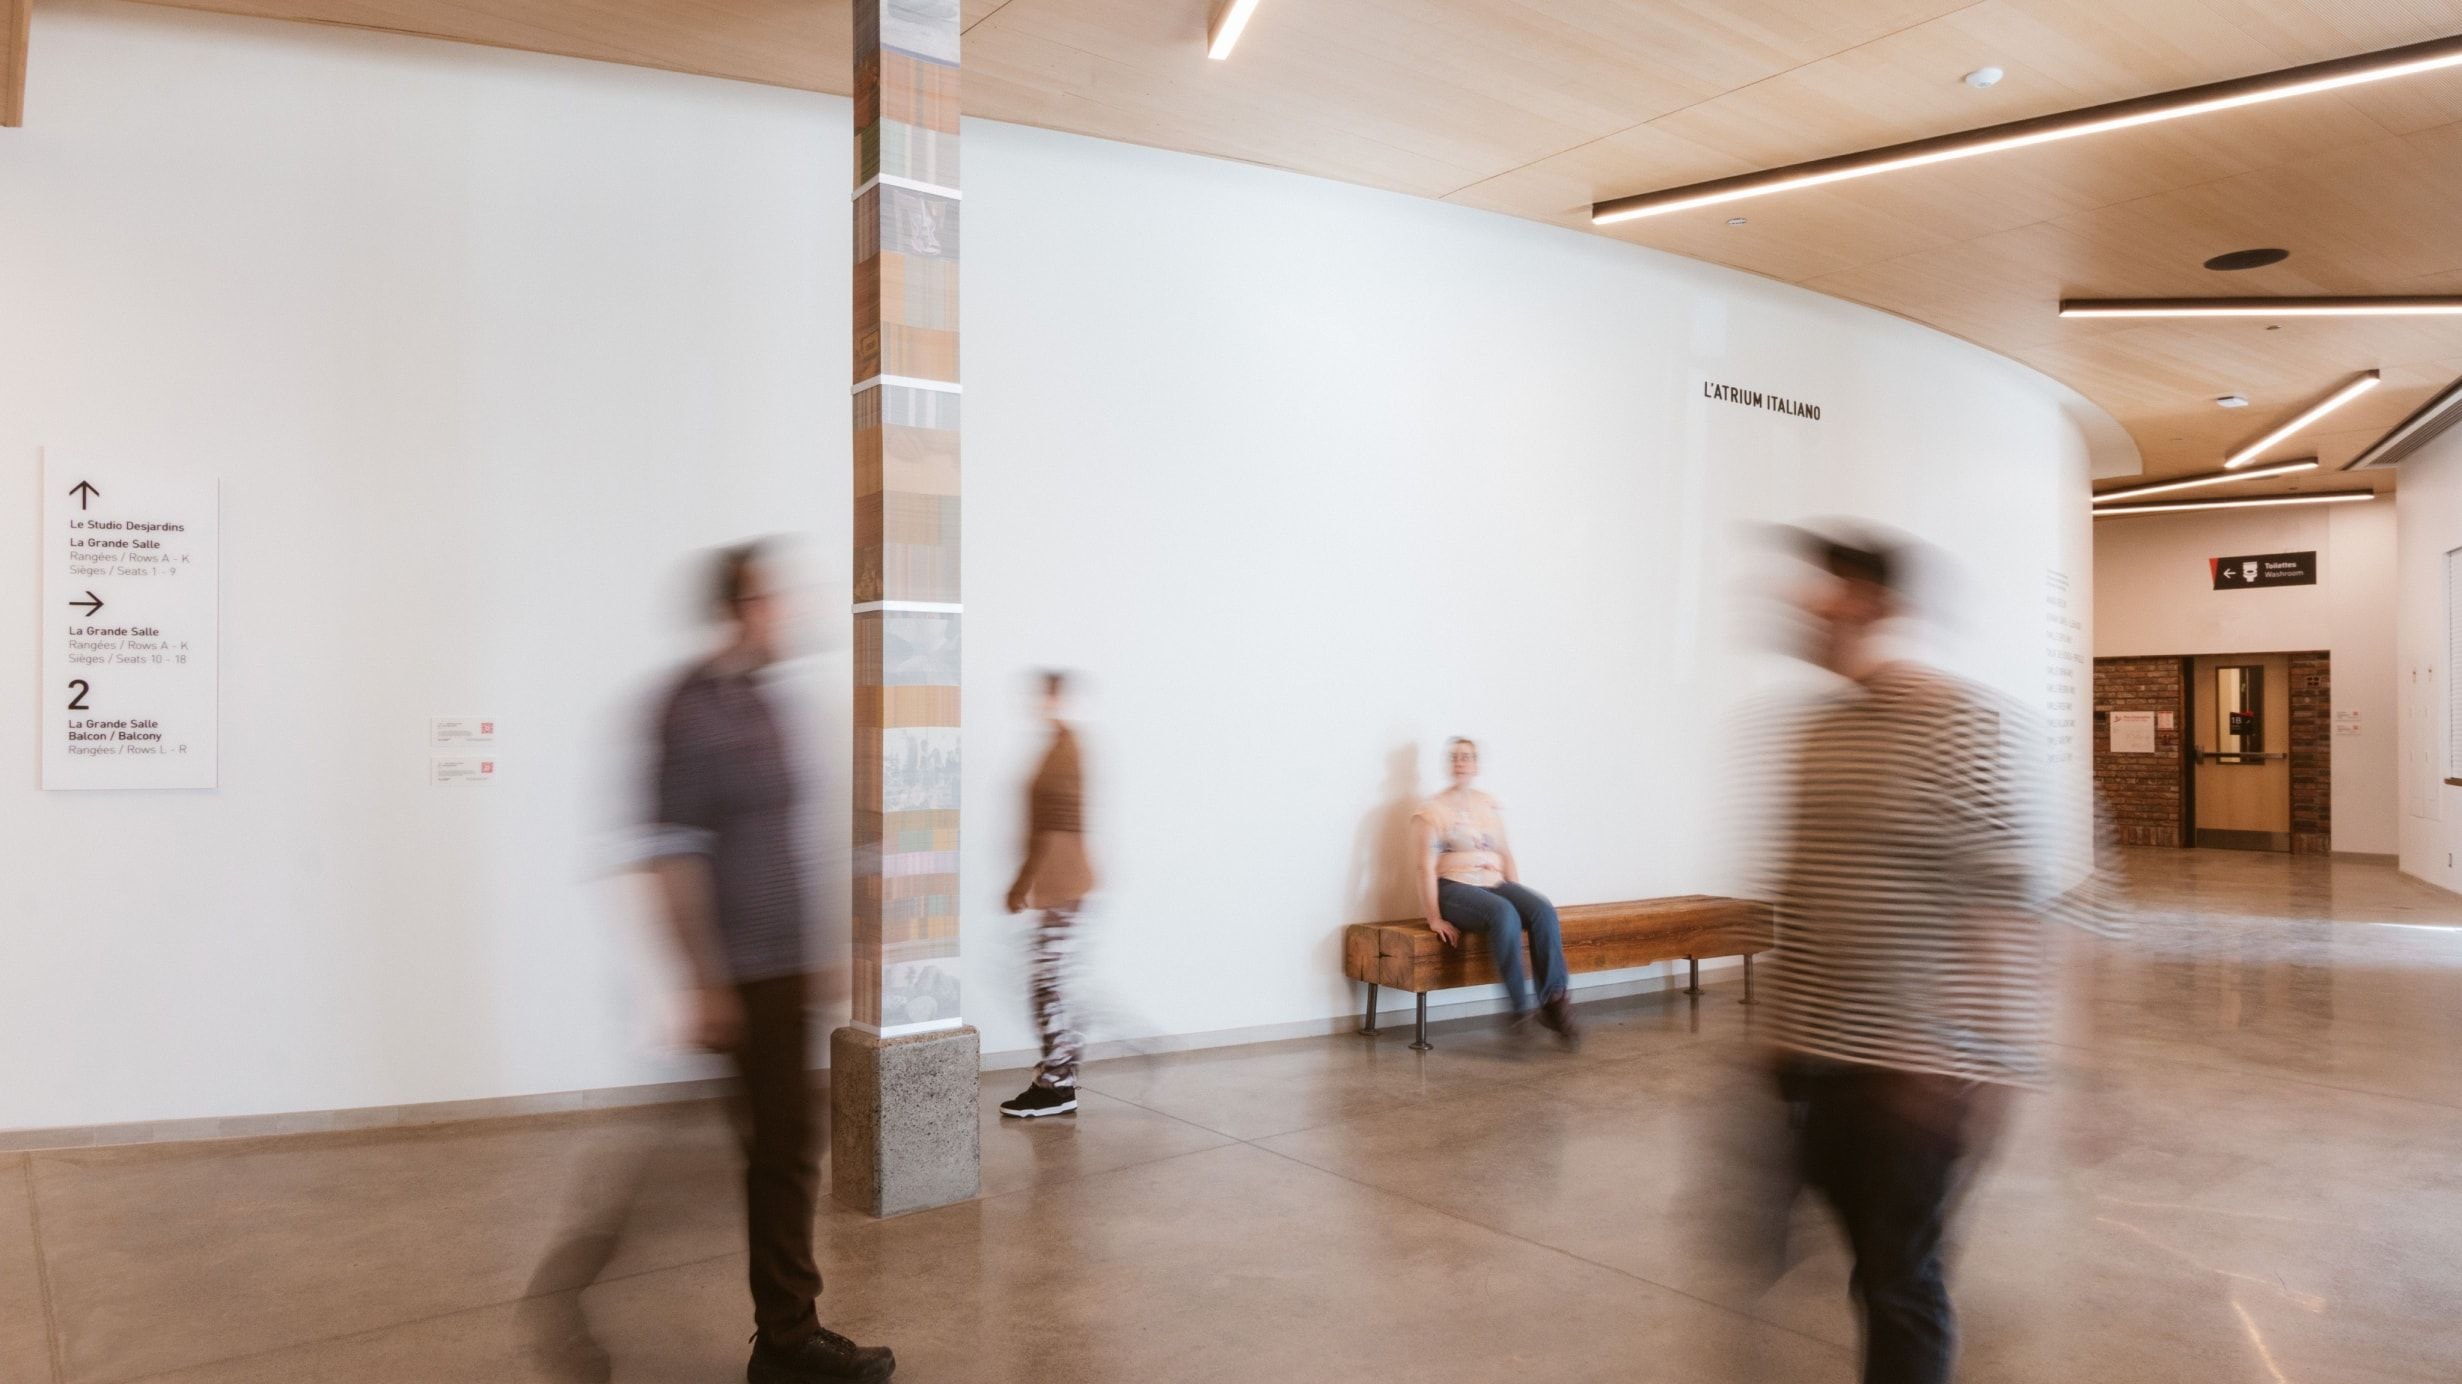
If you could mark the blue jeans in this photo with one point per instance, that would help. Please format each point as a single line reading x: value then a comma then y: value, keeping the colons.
x: 1502, y: 913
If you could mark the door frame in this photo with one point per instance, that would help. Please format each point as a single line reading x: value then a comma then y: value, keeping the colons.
x: 2311, y: 742
x: 2188, y: 750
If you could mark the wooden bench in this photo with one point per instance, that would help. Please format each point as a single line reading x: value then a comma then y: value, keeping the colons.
x: 1408, y: 955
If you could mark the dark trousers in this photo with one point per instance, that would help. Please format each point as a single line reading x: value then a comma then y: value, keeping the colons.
x: 782, y: 1174
x: 1890, y: 1151
x: 1503, y: 913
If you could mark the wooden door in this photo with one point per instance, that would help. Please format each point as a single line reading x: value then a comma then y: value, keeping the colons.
x: 2240, y: 724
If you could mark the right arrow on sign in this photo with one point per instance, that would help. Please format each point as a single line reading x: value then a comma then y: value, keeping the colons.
x: 85, y: 493
x: 93, y: 604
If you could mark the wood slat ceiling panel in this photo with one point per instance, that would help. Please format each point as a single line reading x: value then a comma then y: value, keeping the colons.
x: 1538, y: 108
x: 16, y: 17
x: 777, y: 42
x: 2330, y: 27
x: 1454, y: 90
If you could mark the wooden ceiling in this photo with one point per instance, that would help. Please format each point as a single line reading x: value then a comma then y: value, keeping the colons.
x: 1537, y: 108
x: 16, y: 16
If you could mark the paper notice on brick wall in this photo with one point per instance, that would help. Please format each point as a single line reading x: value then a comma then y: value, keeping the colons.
x: 2132, y: 732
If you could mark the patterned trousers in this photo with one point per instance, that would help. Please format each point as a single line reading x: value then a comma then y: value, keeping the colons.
x: 1050, y: 968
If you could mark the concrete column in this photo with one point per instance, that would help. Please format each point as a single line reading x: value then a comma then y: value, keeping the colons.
x: 902, y: 1085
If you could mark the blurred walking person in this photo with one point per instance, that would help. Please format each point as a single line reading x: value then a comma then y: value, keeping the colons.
x: 1908, y: 982
x: 732, y: 879
x: 1053, y: 882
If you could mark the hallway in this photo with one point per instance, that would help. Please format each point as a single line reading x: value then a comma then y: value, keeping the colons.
x: 2248, y: 1172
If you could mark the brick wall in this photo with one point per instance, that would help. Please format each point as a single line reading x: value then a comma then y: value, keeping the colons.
x: 2312, y: 753
x: 2142, y: 791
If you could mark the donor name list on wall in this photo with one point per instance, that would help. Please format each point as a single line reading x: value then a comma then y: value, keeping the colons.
x: 131, y: 596
x: 2064, y: 662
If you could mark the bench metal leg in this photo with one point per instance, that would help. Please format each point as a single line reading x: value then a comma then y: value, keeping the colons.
x: 1748, y: 977
x: 1420, y: 1043
x: 1693, y: 987
x: 1369, y: 1027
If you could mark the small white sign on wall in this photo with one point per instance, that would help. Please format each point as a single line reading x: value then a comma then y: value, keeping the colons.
x: 460, y: 732
x: 454, y: 769
x: 2422, y: 786
x: 132, y: 626
x: 2132, y: 732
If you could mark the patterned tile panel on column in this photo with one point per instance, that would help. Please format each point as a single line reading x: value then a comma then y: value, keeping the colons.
x: 906, y: 259
x: 906, y: 494
x: 907, y: 763
x: 907, y: 415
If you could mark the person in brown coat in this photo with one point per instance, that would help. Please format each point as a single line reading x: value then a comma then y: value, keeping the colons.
x: 1054, y: 881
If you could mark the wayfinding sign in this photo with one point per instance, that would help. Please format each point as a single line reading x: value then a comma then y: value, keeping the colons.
x: 132, y: 605
x: 2262, y: 569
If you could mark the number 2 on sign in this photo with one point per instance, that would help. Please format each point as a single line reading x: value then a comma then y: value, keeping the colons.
x: 77, y: 703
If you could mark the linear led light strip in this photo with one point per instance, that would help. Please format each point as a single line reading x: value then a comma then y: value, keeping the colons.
x: 2044, y: 129
x: 2340, y: 497
x: 2262, y: 307
x: 1228, y: 26
x: 2358, y: 386
x: 2414, y: 432
x: 2210, y: 478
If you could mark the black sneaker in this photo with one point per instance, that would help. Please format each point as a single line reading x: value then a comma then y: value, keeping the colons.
x: 1040, y: 1099
x: 828, y: 1358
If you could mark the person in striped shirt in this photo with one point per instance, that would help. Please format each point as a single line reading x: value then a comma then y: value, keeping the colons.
x: 1908, y: 978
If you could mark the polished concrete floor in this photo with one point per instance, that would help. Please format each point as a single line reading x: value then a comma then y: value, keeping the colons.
x: 2250, y: 1170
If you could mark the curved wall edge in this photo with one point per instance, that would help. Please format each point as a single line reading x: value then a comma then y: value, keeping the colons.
x: 1303, y: 477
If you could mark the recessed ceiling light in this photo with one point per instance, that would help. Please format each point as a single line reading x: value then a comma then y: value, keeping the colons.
x: 1228, y: 26
x: 2434, y: 55
x: 2359, y: 384
x: 2248, y: 259
x: 1983, y: 77
x: 2232, y: 401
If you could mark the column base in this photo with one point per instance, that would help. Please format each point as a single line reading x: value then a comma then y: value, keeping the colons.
x: 903, y: 1130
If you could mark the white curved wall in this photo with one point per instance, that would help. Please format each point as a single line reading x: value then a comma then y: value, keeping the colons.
x: 1304, y: 476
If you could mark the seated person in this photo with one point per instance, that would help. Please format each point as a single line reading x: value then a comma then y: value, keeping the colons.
x: 1467, y: 884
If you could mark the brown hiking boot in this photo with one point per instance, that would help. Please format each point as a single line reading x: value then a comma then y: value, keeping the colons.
x: 1557, y: 1014
x: 828, y: 1358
